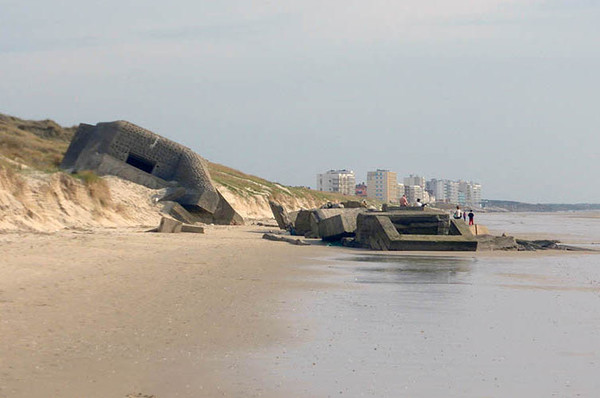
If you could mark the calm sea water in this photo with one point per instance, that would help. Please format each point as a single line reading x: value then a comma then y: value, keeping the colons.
x: 475, y: 326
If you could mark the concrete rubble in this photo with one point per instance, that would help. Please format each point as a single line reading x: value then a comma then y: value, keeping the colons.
x: 280, y: 238
x: 340, y: 225
x: 281, y: 216
x: 171, y: 226
x: 408, y: 228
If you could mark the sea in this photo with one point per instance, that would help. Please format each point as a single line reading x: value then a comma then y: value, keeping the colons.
x: 496, y: 325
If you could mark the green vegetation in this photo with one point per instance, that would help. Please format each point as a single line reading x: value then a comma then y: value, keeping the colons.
x: 38, y: 144
x: 87, y: 176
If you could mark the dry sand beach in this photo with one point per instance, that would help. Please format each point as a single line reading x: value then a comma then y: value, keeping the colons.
x: 121, y: 312
x: 107, y: 313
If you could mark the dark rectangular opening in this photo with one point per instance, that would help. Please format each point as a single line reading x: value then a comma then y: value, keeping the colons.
x: 141, y: 163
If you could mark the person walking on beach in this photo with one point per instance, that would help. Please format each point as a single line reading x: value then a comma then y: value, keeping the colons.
x: 465, y: 216
x: 471, y: 217
x: 403, y: 201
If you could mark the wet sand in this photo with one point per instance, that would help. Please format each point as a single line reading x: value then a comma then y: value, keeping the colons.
x: 430, y: 326
x: 112, y: 313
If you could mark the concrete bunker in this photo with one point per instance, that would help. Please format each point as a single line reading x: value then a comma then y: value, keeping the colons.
x: 428, y: 230
x: 133, y: 153
x: 139, y: 162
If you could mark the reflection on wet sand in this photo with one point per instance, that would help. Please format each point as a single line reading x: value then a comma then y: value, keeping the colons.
x: 428, y: 326
x: 412, y: 269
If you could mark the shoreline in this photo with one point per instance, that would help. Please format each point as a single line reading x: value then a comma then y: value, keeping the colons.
x: 112, y: 312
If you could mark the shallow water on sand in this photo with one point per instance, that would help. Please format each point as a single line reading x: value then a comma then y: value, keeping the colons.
x: 424, y: 326
x: 581, y: 228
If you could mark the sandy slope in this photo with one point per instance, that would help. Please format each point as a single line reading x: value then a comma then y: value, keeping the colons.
x: 43, y: 202
x: 47, y: 202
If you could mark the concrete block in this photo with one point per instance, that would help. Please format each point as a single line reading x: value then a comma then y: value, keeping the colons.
x: 195, y: 229
x: 280, y: 215
x: 178, y: 212
x: 340, y: 225
x: 302, y: 225
x: 169, y: 226
x: 225, y: 214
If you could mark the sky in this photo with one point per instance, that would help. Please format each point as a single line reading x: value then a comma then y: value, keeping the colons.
x: 501, y: 92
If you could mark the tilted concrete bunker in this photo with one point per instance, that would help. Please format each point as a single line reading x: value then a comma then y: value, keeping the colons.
x: 131, y: 152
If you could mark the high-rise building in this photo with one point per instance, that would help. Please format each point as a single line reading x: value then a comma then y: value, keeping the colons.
x: 461, y: 192
x: 413, y: 192
x: 451, y: 191
x: 382, y: 185
x: 415, y: 180
x: 475, y: 195
x: 437, y: 188
x: 342, y: 181
x: 471, y: 192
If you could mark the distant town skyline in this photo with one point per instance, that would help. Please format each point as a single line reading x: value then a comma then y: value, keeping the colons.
x: 495, y: 91
x: 389, y: 187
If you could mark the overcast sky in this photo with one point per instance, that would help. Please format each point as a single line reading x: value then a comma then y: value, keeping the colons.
x: 505, y: 93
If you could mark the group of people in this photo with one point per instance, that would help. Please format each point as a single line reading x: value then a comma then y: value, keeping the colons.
x: 404, y: 202
x: 458, y: 214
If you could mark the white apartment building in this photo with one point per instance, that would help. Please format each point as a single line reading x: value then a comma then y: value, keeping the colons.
x: 415, y: 180
x: 382, y: 185
x: 342, y: 181
x: 414, y: 192
x: 437, y: 189
x: 464, y: 192
x: 451, y: 191
x: 471, y: 192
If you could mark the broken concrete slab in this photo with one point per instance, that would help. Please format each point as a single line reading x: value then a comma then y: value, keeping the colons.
x: 308, y: 222
x: 178, y: 212
x: 226, y: 214
x: 292, y: 215
x: 279, y: 238
x: 194, y: 229
x: 281, y: 216
x: 169, y: 226
x: 302, y: 226
x: 340, y: 225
